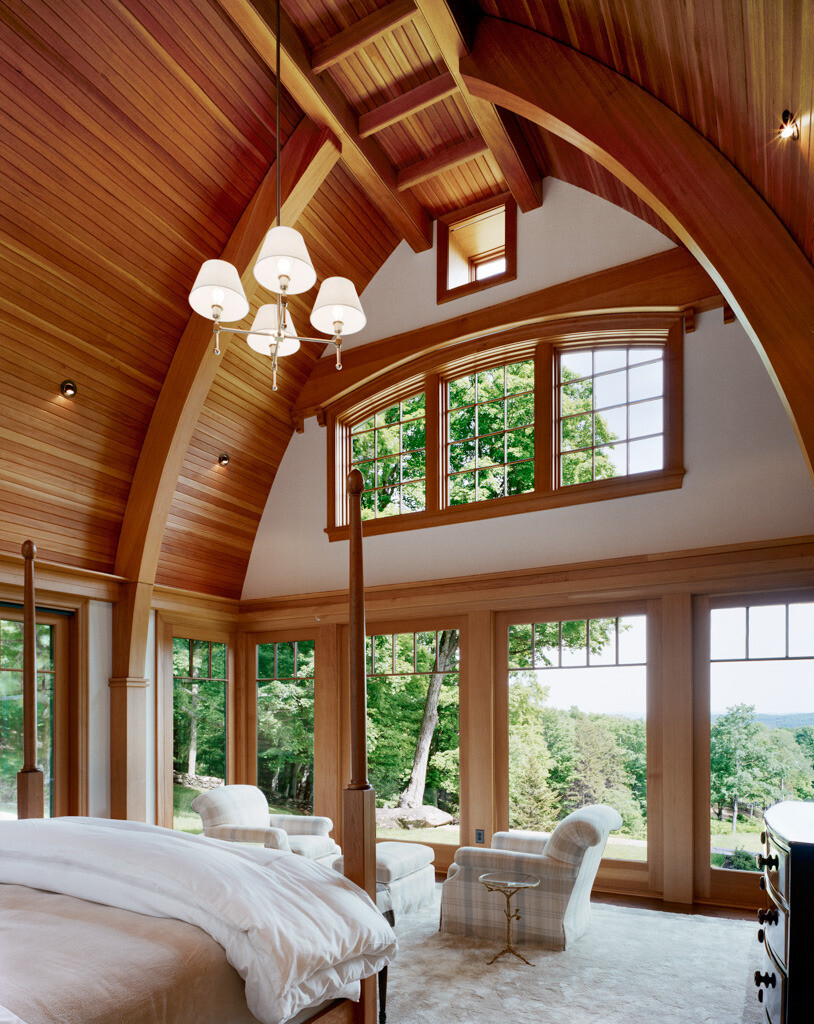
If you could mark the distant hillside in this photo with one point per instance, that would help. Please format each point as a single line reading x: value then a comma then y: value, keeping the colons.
x: 793, y: 720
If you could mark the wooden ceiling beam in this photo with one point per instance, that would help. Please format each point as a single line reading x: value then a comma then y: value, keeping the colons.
x: 408, y: 103
x: 321, y: 100
x: 365, y: 31
x: 306, y: 159
x: 709, y: 205
x: 501, y: 134
x: 434, y: 165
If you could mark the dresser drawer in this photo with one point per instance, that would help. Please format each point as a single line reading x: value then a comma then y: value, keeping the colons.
x: 771, y: 993
x: 774, y: 933
x: 777, y: 869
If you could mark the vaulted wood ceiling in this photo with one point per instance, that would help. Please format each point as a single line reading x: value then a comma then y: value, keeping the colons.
x: 135, y: 135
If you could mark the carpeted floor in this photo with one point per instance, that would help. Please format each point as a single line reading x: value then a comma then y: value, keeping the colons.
x: 631, y: 967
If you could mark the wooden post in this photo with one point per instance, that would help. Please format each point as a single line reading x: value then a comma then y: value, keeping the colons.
x: 359, y: 799
x: 30, y: 781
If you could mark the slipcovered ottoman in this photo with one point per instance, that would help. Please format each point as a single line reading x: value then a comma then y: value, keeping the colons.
x: 405, y: 877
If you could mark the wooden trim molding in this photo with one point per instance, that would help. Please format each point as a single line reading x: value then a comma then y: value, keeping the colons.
x: 446, y: 293
x: 712, y: 208
x: 666, y: 283
x: 430, y: 374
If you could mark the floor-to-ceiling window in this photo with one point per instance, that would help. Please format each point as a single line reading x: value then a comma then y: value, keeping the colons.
x: 199, y: 741
x: 577, y: 721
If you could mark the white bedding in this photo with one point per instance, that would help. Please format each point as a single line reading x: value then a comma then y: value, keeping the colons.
x: 295, y: 931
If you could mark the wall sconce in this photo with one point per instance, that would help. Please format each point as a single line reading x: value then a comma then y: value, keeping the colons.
x: 790, y: 129
x: 223, y: 459
x: 68, y: 388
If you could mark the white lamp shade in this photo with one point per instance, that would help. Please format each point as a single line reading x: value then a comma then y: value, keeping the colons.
x: 266, y: 320
x: 337, y: 301
x: 218, y: 284
x: 284, y: 253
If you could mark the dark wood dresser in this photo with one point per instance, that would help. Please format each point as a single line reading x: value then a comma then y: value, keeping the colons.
x: 786, y: 979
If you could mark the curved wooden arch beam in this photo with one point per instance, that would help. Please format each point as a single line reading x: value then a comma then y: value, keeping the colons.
x: 710, y: 206
x: 305, y: 161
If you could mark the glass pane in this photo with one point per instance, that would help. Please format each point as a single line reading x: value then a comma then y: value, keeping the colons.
x: 286, y: 663
x: 646, y: 381
x: 461, y: 391
x: 367, y: 425
x: 218, y: 661
x: 265, y: 661
x: 491, y: 483
x: 491, y: 417
x: 610, y: 389
x: 285, y: 744
x: 575, y: 643
x: 368, y: 471
x: 462, y: 423
x: 520, y: 377
x: 633, y: 640
x: 643, y: 355
x: 576, y: 432
x: 387, y: 472
x: 546, y: 644
x: 200, y: 659
x: 44, y: 649
x: 575, y: 364
x: 610, y: 461
x: 490, y: 384
x: 520, y: 478
x: 602, y: 642
x: 413, y: 435
x: 801, y: 630
x: 767, y: 631
x: 520, y: 411
x: 199, y: 739
x: 520, y: 655
x: 362, y: 447
x: 462, y: 455
x: 576, y: 397
x: 383, y: 650
x: 397, y: 705
x: 609, y: 359
x: 414, y: 497
x: 305, y: 658
x: 414, y: 466
x: 462, y: 489
x: 414, y: 406
x: 490, y: 450
x: 727, y: 633
x: 612, y: 424
x: 647, y: 418
x: 181, y: 657
x: 576, y: 468
x: 646, y: 455
x: 388, y: 441
x: 520, y: 444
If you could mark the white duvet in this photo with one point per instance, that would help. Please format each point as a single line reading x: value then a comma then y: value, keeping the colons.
x: 297, y: 932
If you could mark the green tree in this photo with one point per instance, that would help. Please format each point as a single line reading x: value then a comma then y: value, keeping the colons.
x: 738, y: 761
x: 788, y: 770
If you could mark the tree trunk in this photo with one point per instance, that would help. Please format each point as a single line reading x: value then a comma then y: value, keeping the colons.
x: 193, y: 731
x: 734, y: 815
x: 413, y: 795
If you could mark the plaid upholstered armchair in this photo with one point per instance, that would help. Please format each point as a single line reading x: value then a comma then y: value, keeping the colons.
x: 555, y: 913
x: 240, y: 814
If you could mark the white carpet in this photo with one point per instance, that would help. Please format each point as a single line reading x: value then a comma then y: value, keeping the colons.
x: 631, y: 967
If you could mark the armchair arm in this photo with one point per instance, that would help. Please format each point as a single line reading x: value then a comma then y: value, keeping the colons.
x: 475, y: 861
x: 302, y: 824
x: 272, y: 838
x: 521, y: 842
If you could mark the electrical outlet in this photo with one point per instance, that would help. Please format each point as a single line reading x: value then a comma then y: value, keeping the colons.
x: 479, y: 836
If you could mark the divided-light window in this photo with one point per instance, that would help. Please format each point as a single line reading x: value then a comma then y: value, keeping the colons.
x: 559, y: 422
x: 389, y: 451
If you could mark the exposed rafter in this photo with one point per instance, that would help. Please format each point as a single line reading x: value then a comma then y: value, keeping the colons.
x: 408, y: 103
x: 306, y: 159
x: 452, y: 156
x: 377, y: 24
x: 322, y: 101
x: 715, y: 212
x: 500, y: 134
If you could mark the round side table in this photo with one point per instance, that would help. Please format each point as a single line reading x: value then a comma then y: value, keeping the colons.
x: 508, y: 882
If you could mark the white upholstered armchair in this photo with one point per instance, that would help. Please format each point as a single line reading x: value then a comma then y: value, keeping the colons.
x: 240, y: 814
x: 555, y: 913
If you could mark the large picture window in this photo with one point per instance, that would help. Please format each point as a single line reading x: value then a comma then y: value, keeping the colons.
x: 761, y: 720
x: 578, y: 724
x: 285, y: 725
x: 542, y: 424
x: 412, y: 695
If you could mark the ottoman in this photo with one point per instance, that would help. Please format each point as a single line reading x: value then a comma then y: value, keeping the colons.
x: 405, y: 877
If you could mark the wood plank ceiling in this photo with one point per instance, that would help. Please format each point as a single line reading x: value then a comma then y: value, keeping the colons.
x: 136, y: 133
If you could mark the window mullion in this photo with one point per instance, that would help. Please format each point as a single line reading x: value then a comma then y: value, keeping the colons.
x: 544, y: 419
x: 435, y: 440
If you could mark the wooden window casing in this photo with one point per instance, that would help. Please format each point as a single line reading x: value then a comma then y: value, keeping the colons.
x: 450, y: 222
x: 432, y: 374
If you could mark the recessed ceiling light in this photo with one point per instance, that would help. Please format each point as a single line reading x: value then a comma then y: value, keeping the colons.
x: 790, y: 129
x: 223, y: 459
x: 68, y: 388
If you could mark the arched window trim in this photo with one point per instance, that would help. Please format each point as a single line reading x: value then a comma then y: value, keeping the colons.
x: 540, y: 341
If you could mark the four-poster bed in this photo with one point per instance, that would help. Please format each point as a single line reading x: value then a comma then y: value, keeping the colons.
x: 105, y: 920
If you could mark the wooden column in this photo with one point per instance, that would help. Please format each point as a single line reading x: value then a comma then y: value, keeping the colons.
x: 477, y: 729
x: 30, y: 781
x: 359, y: 798
x: 677, y: 746
x: 329, y: 770
x: 128, y: 703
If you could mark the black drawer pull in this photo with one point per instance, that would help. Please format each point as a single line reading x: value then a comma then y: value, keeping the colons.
x: 763, y: 838
x: 765, y: 979
x: 760, y: 935
x: 762, y: 883
x: 767, y: 916
x: 772, y: 862
x: 760, y: 995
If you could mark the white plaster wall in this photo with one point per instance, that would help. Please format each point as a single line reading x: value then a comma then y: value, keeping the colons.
x: 100, y: 669
x: 746, y: 479
x: 572, y: 234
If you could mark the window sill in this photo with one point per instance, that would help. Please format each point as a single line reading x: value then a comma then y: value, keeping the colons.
x: 575, y: 494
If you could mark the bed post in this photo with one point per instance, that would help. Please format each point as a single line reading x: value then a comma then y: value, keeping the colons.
x: 30, y: 803
x: 359, y: 799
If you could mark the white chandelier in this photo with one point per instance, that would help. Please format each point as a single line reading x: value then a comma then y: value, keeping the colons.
x: 284, y: 267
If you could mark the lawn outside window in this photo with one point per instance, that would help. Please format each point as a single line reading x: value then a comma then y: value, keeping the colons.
x: 560, y: 418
